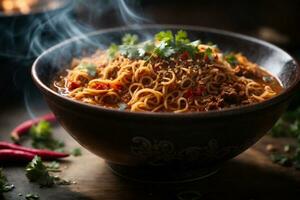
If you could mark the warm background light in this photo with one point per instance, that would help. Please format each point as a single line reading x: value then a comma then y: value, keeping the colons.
x: 13, y: 6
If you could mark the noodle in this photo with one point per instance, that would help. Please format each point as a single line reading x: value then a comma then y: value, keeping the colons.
x: 168, y: 85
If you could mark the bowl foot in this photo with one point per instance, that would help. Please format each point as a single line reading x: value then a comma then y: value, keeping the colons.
x: 159, y: 175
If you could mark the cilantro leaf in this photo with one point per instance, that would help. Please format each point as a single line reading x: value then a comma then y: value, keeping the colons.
x: 112, y: 50
x: 129, y: 51
x: 208, y: 52
x: 195, y: 43
x: 4, y: 186
x: 41, y: 135
x: 41, y: 131
x: 37, y: 172
x: 165, y: 36
x: 164, y: 45
x: 181, y: 37
x: 90, y: 68
x: 164, y: 50
x: 232, y: 60
x: 130, y: 39
x: 76, y: 152
x: 32, y: 196
x: 148, y: 46
x: 54, y: 167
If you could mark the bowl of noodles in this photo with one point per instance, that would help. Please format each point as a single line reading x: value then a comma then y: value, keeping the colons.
x: 165, y: 103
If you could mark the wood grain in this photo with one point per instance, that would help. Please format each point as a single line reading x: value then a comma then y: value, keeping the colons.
x: 251, y: 175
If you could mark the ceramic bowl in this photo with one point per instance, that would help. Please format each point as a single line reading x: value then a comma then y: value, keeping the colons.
x: 167, y: 147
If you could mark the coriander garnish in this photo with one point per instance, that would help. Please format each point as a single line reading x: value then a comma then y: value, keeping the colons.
x: 41, y: 135
x: 76, y: 152
x: 4, y: 185
x: 37, y: 172
x: 164, y: 45
x: 288, y: 126
x: 31, y: 196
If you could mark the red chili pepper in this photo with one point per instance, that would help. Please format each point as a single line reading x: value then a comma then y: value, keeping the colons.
x: 185, y: 55
x: 102, y: 86
x: 26, y: 125
x: 7, y: 155
x: 198, y: 91
x: 188, y: 94
x: 206, y: 58
x: 116, y: 86
x: 73, y: 85
x: 44, y: 154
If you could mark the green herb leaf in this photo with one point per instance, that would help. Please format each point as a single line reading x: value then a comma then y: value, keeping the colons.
x: 181, y: 37
x: 53, y: 167
x: 130, y: 39
x: 41, y: 131
x: 90, y: 68
x: 281, y: 159
x: 164, y: 50
x: 4, y: 186
x: 59, y: 181
x: 129, y: 51
x: 232, y: 60
x: 76, y: 152
x: 41, y: 135
x: 267, y: 79
x: 165, y: 36
x: 122, y: 106
x: 148, y: 46
x: 37, y: 172
x: 112, y: 51
x: 32, y: 196
x: 208, y: 52
x: 195, y: 43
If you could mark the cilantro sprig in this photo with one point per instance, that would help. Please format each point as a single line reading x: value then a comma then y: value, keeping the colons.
x: 4, y: 185
x: 232, y: 60
x: 288, y: 126
x: 90, y: 68
x: 164, y: 45
x: 36, y: 171
x: 41, y: 135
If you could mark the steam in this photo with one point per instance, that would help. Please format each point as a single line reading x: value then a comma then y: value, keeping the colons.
x: 128, y: 15
x: 54, y: 28
x: 59, y: 27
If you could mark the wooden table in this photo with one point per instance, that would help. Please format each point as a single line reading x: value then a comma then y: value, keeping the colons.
x: 250, y: 176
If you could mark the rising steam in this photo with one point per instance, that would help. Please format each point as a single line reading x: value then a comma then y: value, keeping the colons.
x: 55, y: 28
x: 59, y: 27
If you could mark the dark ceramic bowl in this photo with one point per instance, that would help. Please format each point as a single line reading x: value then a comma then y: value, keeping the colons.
x: 166, y: 146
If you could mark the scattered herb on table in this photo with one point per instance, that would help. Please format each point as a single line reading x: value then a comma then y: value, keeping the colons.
x: 32, y: 196
x: 54, y: 167
x: 4, y: 185
x: 36, y: 171
x: 41, y: 135
x: 24, y: 127
x: 76, y: 152
x: 288, y: 126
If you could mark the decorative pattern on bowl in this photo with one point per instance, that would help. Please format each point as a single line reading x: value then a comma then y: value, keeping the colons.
x: 163, y: 152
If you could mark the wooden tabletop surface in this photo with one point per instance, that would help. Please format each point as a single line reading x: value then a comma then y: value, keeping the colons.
x: 250, y: 176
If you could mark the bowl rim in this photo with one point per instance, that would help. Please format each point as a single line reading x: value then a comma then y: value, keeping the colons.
x: 286, y: 93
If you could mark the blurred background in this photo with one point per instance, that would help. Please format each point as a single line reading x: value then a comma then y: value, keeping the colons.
x: 28, y: 27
